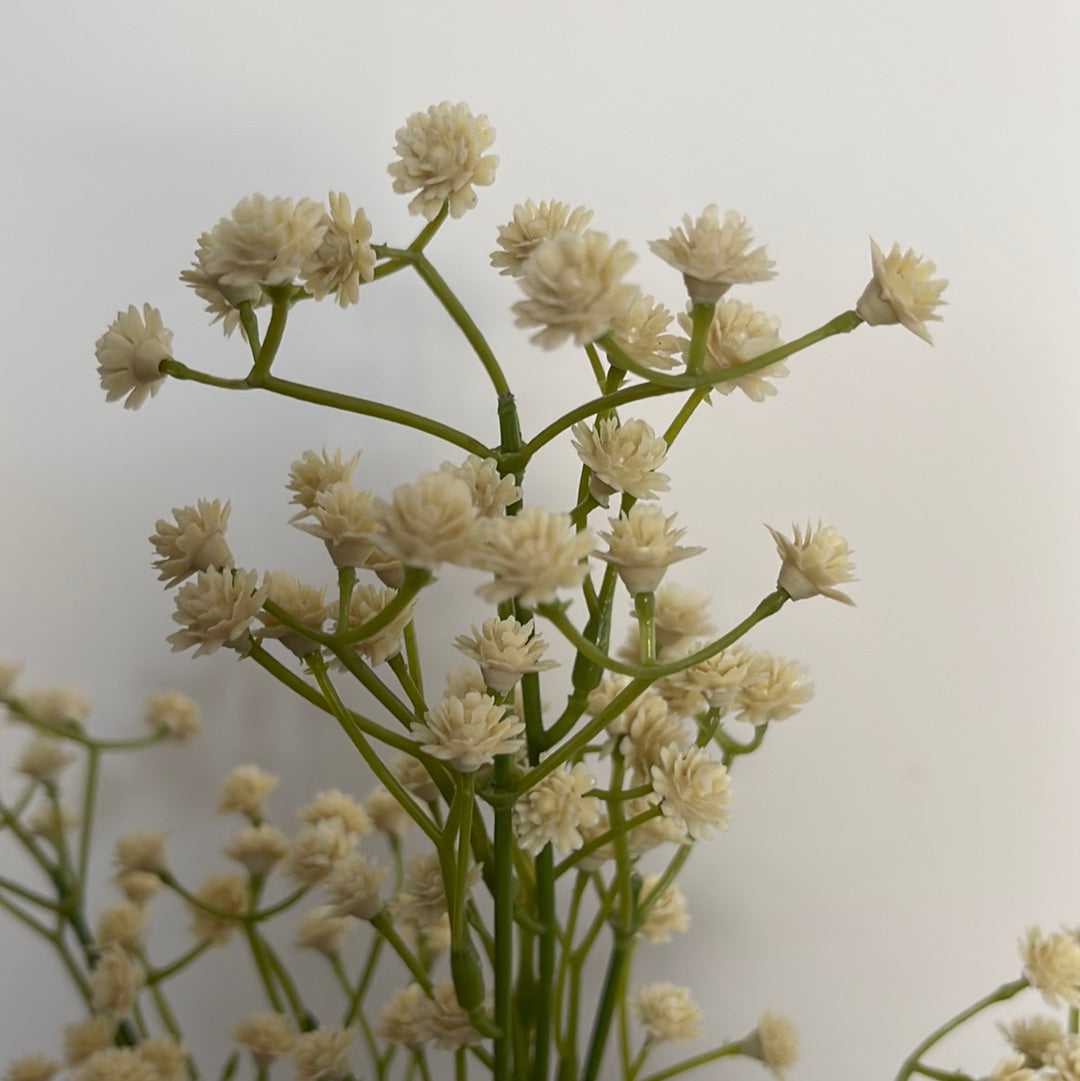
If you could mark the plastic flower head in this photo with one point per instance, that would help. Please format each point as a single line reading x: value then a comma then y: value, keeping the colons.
x: 387, y: 815
x: 245, y: 789
x: 667, y: 912
x: 1035, y: 1038
x: 574, y: 288
x: 422, y: 901
x: 429, y: 522
x: 128, y: 355
x: 491, y: 493
x: 694, y: 788
x: 43, y: 759
x: 505, y: 650
x: 469, y: 732
x: 1052, y: 965
x: 222, y: 301
x: 121, y: 925
x: 711, y: 684
x: 345, y: 256
x: 83, y: 1038
x: 32, y: 1068
x: 532, y: 555
x: 318, y: 849
x: 216, y: 610
x: 141, y: 850
x: 313, y: 473
x: 680, y: 613
x: 622, y: 458
x: 117, y: 1064
x: 640, y: 331
x: 646, y: 728
x: 114, y: 982
x: 344, y: 521
x: 258, y: 848
x: 775, y: 1042
x: 667, y: 1012
x: 403, y: 1018
x: 713, y: 255
x: 1013, y: 1068
x: 448, y: 1023
x: 164, y: 1056
x: 366, y: 603
x: 321, y: 930
x: 814, y: 562
x: 554, y: 810
x: 902, y: 290
x: 442, y: 156
x: 773, y: 690
x: 532, y: 225
x: 227, y: 894
x: 413, y: 774
x: 266, y: 1035
x: 642, y: 545
x: 265, y: 242
x: 195, y: 543
x: 355, y: 886
x: 739, y: 333
x: 333, y: 803
x: 306, y: 604
x: 323, y: 1053
x: 172, y: 713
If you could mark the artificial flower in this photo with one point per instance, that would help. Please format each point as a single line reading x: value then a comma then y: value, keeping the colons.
x: 129, y: 354
x: 902, y: 290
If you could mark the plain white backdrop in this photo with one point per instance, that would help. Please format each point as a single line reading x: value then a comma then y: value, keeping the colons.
x: 891, y: 843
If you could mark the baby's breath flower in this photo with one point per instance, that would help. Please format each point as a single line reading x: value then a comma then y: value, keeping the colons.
x: 387, y: 815
x: 121, y: 925
x: 216, y: 610
x: 646, y: 728
x: 902, y: 290
x: 321, y: 930
x: 128, y: 355
x: 680, y: 613
x: 642, y: 545
x: 667, y: 1012
x: 465, y: 678
x: 313, y: 473
x: 622, y: 458
x: 491, y: 493
x: 532, y: 225
x: 422, y: 901
x: 1052, y: 965
x: 441, y: 157
x: 222, y: 301
x: 1012, y: 1068
x: 814, y: 562
x: 266, y: 1035
x: 173, y: 713
x: 244, y: 790
x: 140, y: 850
x: 345, y: 256
x: 505, y: 650
x: 165, y: 1056
x: 43, y: 759
x: 344, y: 522
x: 116, y: 1064
x: 656, y: 831
x: 469, y: 732
x: 51, y: 822
x: 429, y: 522
x: 449, y: 1024
x: 1034, y: 1037
x: 138, y: 886
x: 333, y: 803
x: 640, y: 331
x: 739, y: 333
x: 32, y: 1068
x: 574, y: 288
x: 712, y: 684
x: 774, y: 1042
x: 668, y: 911
x: 713, y: 255
x: 366, y: 603
x: 228, y: 894
x: 695, y: 790
x: 413, y: 774
x: 265, y: 242
x: 404, y: 1017
x: 323, y: 1053
x: 64, y: 707
x: 83, y: 1038
x: 554, y: 810
x: 532, y: 555
x: 258, y: 848
x: 354, y: 886
x: 305, y: 603
x: 773, y: 690
x: 195, y: 543
x: 114, y: 981
x: 318, y: 849
x: 611, y: 684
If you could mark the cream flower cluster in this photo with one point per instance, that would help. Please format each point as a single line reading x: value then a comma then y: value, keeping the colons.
x: 622, y: 458
x: 642, y: 545
x: 530, y: 227
x: 775, y: 1042
x: 216, y: 610
x: 469, y: 732
x: 641, y: 331
x: 505, y: 650
x: 129, y: 353
x: 694, y: 789
x: 814, y: 562
x: 196, y: 542
x: 345, y: 257
x: 667, y: 1012
x: 1052, y: 965
x: 555, y: 810
x: 902, y: 290
x: 412, y: 1018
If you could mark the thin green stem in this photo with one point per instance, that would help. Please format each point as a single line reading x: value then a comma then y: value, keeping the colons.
x: 279, y: 314
x: 93, y: 756
x: 503, y: 891
x: 157, y: 975
x: 385, y: 926
x: 32, y: 896
x: 686, y: 411
x: 728, y: 1050
x: 701, y: 316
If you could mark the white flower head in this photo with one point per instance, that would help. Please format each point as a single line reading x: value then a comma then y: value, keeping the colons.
x: 345, y: 256
x: 772, y: 690
x: 469, y: 732
x: 442, y: 156
x: 245, y: 789
x: 640, y: 331
x: 429, y: 522
x: 318, y: 849
x: 114, y: 982
x: 713, y: 255
x: 322, y: 930
x: 258, y: 848
x: 404, y: 1017
x: 642, y: 545
x: 222, y: 301
x: 902, y: 290
x: 775, y: 1042
x: 216, y: 610
x: 694, y: 788
x: 386, y: 813
x: 366, y: 603
x: 531, y: 226
x: 622, y: 458
x: 667, y: 912
x: 422, y: 901
x: 196, y: 542
x: 305, y: 603
x: 344, y: 519
x: 574, y: 288
x: 814, y: 562
x: 226, y: 894
x: 128, y: 355
x: 680, y: 613
x: 140, y: 851
x: 323, y: 1053
x: 266, y: 1035
x: 355, y: 886
x: 646, y: 728
x: 313, y: 473
x: 491, y: 492
x: 172, y: 713
x: 333, y: 803
x: 1052, y: 965
x: 505, y: 650
x: 1035, y: 1038
x: 43, y: 759
x: 448, y: 1022
x: 555, y: 810
x: 667, y: 1012
x: 64, y: 707
x: 32, y: 1068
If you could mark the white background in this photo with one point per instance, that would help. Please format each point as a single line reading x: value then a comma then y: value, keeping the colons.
x: 889, y: 844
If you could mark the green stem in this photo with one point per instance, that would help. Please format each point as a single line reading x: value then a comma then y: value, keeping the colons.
x: 503, y: 892
x: 157, y: 975
x: 617, y: 961
x: 279, y: 314
x: 727, y: 1051
x: 32, y: 896
x: 357, y: 997
x: 89, y: 805
x: 701, y: 316
x: 262, y: 966
x: 645, y: 611
x: 686, y: 411
x: 384, y: 925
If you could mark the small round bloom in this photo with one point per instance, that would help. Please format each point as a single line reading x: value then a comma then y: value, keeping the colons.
x: 640, y: 331
x: 695, y: 790
x: 1052, y: 965
x: 642, y: 545
x: 366, y: 603
x: 63, y: 707
x: 245, y: 789
x: 1035, y: 1038
x: 141, y: 850
x: 622, y: 458
x: 121, y: 925
x: 404, y: 1017
x: 773, y: 690
x: 32, y: 1068
x: 712, y: 684
x: 387, y: 815
x: 554, y: 810
x: 195, y: 543
x: 774, y: 1042
x: 666, y: 914
x: 355, y: 886
x: 138, y: 886
x: 114, y: 982
x: 441, y: 157
x: 258, y: 848
x: 116, y: 1064
x: 318, y: 849
x: 128, y: 355
x: 172, y: 713
x: 505, y: 650
x: 323, y: 1053
x: 305, y: 603
x: 222, y: 301
x: 429, y: 522
x: 216, y: 610
x: 574, y: 288
x: 413, y: 774
x: 333, y: 803
x: 667, y: 1012
x: 491, y: 492
x: 266, y: 1035
x: 680, y: 613
x: 43, y: 759
x: 646, y: 727
x: 228, y: 894
x: 532, y: 225
x: 1012, y: 1068
x: 321, y: 930
x: 345, y: 256
x: 469, y: 732
x: 814, y: 562
x: 344, y: 521
x: 51, y: 823
x: 712, y: 254
x: 902, y: 290
x: 532, y: 555
x: 448, y: 1024
x: 165, y: 1056
x: 83, y: 1038
x: 313, y: 473
x: 422, y: 901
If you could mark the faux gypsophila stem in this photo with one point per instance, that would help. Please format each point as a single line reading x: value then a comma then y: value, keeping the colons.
x: 1001, y: 994
x: 346, y: 584
x: 701, y: 317
x: 503, y: 893
x: 726, y: 1051
x: 89, y: 805
x: 356, y: 997
x: 686, y: 411
x: 595, y: 843
x: 279, y: 314
x: 305, y: 1020
x: 382, y: 923
x: 399, y: 666
x: 732, y: 748
x: 32, y: 896
x: 158, y: 975
x: 645, y: 612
